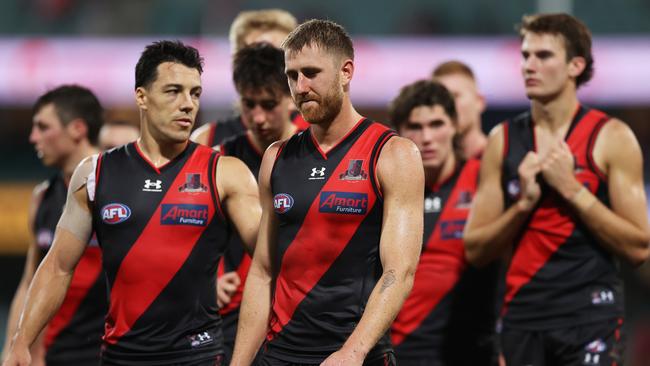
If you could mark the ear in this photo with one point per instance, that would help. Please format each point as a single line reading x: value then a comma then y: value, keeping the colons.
x: 347, y: 71
x: 77, y: 129
x: 141, y: 97
x: 481, y: 101
x: 577, y: 66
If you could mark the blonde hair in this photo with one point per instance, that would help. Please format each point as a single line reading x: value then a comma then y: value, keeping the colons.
x: 265, y: 20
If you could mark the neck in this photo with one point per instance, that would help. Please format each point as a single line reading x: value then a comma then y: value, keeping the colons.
x: 159, y: 153
x: 330, y: 133
x: 474, y: 142
x: 557, y: 112
x: 262, y: 145
x: 436, y: 176
x: 84, y: 150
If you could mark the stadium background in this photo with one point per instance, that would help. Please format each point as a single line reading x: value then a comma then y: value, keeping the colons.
x: 96, y: 43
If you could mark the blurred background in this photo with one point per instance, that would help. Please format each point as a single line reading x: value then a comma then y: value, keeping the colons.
x: 44, y: 43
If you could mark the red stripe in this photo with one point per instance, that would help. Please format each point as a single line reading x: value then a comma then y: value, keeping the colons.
x: 441, y: 263
x: 323, y: 153
x: 318, y: 244
x: 300, y: 122
x: 97, y: 169
x: 157, y: 255
x: 84, y: 277
x: 215, y: 189
x: 380, y: 146
x: 242, y: 271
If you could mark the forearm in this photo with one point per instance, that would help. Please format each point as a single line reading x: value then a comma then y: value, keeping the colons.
x: 490, y: 241
x: 383, y: 305
x: 254, y: 316
x: 614, y: 232
x: 43, y: 299
x: 14, y: 314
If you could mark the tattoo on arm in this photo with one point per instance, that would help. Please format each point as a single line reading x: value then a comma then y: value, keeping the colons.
x: 389, y: 280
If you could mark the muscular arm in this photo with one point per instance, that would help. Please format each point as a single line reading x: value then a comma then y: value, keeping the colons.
x: 52, y: 278
x: 623, y: 229
x: 256, y: 304
x: 401, y: 177
x: 490, y: 231
x: 31, y: 262
x: 240, y: 198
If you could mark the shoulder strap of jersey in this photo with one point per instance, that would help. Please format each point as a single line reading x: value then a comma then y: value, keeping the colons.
x: 374, y: 157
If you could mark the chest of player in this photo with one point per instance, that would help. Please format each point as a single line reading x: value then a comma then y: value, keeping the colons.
x: 446, y: 210
x: 132, y: 196
x: 521, y: 139
x: 334, y: 191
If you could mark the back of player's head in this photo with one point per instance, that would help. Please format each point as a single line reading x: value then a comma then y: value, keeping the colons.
x: 73, y: 102
x: 425, y: 93
x: 324, y: 34
x: 265, y: 20
x: 165, y: 51
x: 576, y: 35
x: 260, y: 66
x: 452, y: 67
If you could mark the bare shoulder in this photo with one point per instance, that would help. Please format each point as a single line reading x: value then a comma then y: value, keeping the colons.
x: 201, y: 134
x: 82, y: 171
x: 231, y: 165
x: 397, y: 149
x: 616, y: 144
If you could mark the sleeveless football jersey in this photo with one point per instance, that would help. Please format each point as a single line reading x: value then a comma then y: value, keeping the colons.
x: 74, y: 335
x: 162, y: 233
x: 448, y: 295
x: 330, y: 214
x: 559, y: 275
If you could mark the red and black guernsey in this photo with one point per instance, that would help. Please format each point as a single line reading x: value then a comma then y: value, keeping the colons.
x: 233, y: 126
x: 559, y: 275
x: 448, y: 296
x: 74, y: 335
x: 330, y: 214
x: 235, y: 258
x: 162, y: 232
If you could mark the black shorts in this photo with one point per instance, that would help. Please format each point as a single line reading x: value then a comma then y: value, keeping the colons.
x: 217, y: 360
x: 596, y: 344
x: 387, y: 359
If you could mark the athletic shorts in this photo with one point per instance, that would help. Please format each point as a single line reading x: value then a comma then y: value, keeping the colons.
x: 596, y: 344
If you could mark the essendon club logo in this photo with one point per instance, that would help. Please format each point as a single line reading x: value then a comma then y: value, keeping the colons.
x: 114, y: 213
x: 193, y: 184
x: 184, y: 214
x: 452, y: 229
x: 354, y: 171
x: 349, y: 203
x: 282, y: 202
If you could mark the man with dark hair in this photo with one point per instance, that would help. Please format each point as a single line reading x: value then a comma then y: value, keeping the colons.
x: 459, y: 79
x: 117, y: 133
x: 249, y: 27
x: 64, y: 131
x: 561, y: 186
x: 161, y: 208
x: 340, y: 233
x: 449, y: 316
x: 258, y: 74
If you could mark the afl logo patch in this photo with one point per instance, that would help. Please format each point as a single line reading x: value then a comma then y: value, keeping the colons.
x: 114, y: 213
x: 282, y: 202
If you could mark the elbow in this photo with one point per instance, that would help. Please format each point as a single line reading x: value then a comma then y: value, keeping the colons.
x: 473, y: 253
x: 640, y: 254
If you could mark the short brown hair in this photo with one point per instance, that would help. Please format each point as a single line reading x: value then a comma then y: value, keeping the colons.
x: 452, y: 67
x: 265, y: 20
x: 576, y: 35
x: 325, y: 34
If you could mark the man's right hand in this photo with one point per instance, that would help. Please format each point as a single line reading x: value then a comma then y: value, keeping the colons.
x: 227, y: 285
x: 18, y: 356
x: 530, y: 190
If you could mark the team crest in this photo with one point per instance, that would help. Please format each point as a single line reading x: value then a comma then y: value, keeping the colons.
x: 354, y: 171
x: 464, y: 199
x: 193, y: 184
